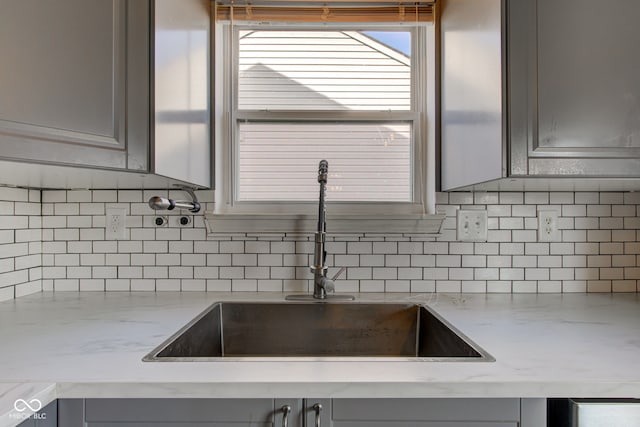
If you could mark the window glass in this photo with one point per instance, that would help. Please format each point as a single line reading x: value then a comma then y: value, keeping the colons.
x: 324, y: 70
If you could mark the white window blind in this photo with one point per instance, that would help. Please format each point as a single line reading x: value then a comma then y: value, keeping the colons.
x: 367, y: 161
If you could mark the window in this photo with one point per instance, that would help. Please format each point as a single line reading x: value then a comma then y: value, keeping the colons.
x: 291, y: 94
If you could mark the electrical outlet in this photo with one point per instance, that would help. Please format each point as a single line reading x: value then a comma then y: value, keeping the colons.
x: 548, y: 226
x: 472, y: 225
x: 116, y: 224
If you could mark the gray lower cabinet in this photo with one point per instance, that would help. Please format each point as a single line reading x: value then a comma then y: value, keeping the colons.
x: 178, y: 412
x: 75, y: 82
x: 45, y: 417
x: 296, y: 413
x: 415, y: 413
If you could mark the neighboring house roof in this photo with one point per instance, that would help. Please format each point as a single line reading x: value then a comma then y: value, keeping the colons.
x: 321, y: 70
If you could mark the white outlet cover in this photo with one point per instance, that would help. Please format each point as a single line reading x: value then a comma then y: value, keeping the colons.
x: 115, y: 224
x: 548, y: 226
x: 472, y: 225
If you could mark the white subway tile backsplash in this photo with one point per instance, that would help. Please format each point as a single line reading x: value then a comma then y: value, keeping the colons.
x: 54, y: 196
x: 587, y: 197
x: 549, y: 286
x: 180, y: 272
x: 499, y: 286
x: 574, y: 210
x: 483, y: 198
x: 512, y: 248
x: 9, y: 222
x: 536, y: 198
x: 486, y: 274
x: 448, y: 286
x: 536, y: 274
x: 573, y: 286
x: 100, y: 272
x: 584, y: 223
x: 537, y: 248
x: 587, y: 273
x: 461, y: 198
x: 549, y: 261
x: 525, y: 261
x: 623, y: 261
x: 499, y: 261
x: 499, y: 210
x: 78, y: 272
x: 512, y: 273
x: 499, y: 236
x: 143, y: 285
x: 511, y: 198
x: 611, y: 198
x: 92, y: 259
x: 561, y: 198
x: 525, y: 286
x: 67, y: 285
x: 599, y: 286
x: 561, y: 274
x: 56, y: 242
x: 624, y: 286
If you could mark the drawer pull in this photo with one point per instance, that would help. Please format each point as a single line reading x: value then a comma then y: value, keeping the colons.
x: 286, y: 409
x: 317, y: 407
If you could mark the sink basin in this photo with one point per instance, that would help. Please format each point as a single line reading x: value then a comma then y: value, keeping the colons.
x: 233, y: 330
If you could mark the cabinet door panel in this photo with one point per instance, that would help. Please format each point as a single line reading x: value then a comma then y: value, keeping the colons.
x: 589, y: 91
x: 180, y: 424
x: 375, y: 410
x: 574, y: 98
x: 65, y: 82
x: 259, y: 411
x: 421, y: 424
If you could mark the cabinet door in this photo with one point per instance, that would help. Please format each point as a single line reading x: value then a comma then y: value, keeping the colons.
x: 71, y: 71
x: 575, y: 91
x: 178, y: 412
x: 181, y: 130
x: 425, y: 412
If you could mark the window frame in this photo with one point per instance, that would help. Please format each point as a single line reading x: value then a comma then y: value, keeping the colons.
x: 418, y: 215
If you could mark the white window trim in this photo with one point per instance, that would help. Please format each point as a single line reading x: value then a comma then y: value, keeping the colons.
x: 230, y: 217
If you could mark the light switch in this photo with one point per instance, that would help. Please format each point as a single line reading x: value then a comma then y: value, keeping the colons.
x: 472, y: 225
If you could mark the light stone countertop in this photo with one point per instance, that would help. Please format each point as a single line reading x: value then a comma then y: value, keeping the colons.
x: 91, y: 345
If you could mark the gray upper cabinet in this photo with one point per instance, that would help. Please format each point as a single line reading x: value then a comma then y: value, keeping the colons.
x: 116, y: 85
x: 583, y: 115
x: 181, y: 90
x: 472, y: 124
x: 570, y: 92
x: 75, y: 82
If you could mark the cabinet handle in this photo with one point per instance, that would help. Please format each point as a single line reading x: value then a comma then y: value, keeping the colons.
x: 317, y: 407
x: 285, y: 418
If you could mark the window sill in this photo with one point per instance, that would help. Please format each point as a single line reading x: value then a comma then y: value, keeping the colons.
x: 337, y: 224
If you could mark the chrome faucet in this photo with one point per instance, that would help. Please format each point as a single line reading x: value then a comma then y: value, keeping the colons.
x: 321, y: 283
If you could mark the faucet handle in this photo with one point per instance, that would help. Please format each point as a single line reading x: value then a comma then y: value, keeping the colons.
x: 342, y: 270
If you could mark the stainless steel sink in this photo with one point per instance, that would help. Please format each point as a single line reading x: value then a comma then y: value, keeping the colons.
x: 239, y: 330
